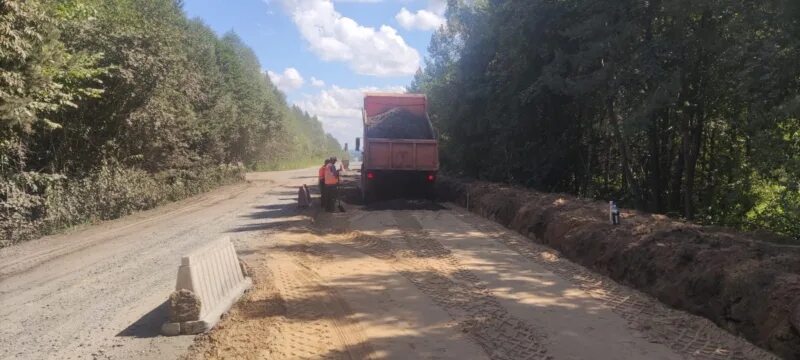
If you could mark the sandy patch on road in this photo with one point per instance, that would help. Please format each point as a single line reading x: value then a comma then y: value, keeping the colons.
x: 315, y: 297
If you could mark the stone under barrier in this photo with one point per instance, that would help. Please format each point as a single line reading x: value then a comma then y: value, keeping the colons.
x: 210, y: 281
x: 744, y: 284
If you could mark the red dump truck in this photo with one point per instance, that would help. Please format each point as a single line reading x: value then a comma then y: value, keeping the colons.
x: 401, y: 153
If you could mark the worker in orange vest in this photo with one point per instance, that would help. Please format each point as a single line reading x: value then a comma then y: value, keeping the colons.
x: 321, y: 175
x: 331, y: 185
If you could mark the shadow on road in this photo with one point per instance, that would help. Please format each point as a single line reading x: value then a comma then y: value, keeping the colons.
x: 268, y: 225
x: 398, y: 199
x: 404, y: 204
x: 149, y: 325
x: 267, y: 214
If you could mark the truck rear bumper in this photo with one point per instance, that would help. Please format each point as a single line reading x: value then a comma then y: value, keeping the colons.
x: 387, y: 184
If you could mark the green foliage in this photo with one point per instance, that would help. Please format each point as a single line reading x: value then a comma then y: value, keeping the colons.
x: 36, y: 204
x: 87, y: 83
x: 685, y: 108
x: 38, y: 75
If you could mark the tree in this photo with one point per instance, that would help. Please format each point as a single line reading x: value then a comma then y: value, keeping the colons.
x: 669, y: 106
x: 134, y: 101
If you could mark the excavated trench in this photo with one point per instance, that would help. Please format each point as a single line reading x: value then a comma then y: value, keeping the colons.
x: 749, y: 287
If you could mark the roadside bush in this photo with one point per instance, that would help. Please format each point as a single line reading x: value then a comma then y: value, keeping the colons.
x: 34, y: 204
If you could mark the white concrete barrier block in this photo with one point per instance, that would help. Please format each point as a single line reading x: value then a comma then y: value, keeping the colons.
x: 214, y: 275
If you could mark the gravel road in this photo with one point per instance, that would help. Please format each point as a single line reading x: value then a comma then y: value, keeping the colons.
x: 98, y: 292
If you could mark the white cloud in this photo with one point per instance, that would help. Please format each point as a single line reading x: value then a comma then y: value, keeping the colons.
x: 420, y: 20
x: 333, y: 37
x: 317, y: 82
x: 289, y: 80
x: 339, y: 109
x: 426, y: 19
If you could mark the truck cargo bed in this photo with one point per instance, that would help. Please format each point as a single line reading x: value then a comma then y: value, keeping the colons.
x: 401, y: 154
x: 398, y: 123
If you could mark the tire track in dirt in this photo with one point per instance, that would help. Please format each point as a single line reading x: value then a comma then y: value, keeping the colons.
x: 436, y: 273
x: 315, y: 324
x: 688, y: 335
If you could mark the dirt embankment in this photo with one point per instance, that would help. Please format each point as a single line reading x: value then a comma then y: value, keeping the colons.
x: 749, y: 287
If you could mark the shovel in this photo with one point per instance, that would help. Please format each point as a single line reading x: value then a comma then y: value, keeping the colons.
x: 339, y: 205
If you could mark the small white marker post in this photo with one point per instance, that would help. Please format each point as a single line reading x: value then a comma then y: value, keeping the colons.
x: 613, y: 213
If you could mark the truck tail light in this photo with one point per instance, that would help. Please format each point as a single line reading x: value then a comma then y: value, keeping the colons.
x: 431, y: 177
x: 370, y: 175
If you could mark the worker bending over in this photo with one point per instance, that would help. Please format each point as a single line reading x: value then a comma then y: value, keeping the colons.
x: 321, y: 176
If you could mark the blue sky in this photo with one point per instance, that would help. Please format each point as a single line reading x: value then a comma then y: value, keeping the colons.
x: 325, y: 53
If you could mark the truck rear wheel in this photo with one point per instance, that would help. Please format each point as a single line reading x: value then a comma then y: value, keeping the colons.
x: 430, y: 192
x: 368, y: 194
x: 367, y: 191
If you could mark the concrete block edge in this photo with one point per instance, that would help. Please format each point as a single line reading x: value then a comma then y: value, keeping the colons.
x: 212, y: 318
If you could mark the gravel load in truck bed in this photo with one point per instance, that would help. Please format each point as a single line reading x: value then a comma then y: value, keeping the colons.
x: 398, y: 123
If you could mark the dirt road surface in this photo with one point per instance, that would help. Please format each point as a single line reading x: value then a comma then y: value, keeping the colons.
x: 400, y: 280
x: 414, y: 280
x: 98, y: 292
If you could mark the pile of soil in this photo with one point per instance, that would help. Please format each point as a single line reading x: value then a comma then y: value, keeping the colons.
x: 398, y: 123
x: 184, y: 306
x: 746, y: 286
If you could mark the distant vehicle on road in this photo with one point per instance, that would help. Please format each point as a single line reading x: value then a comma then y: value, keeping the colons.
x: 401, y: 152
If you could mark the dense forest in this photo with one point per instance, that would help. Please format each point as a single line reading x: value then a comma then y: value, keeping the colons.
x: 112, y: 106
x: 689, y: 108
